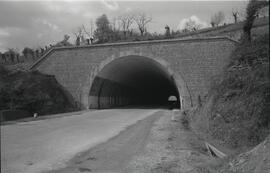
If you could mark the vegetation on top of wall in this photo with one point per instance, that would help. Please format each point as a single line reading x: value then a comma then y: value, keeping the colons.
x: 32, y: 91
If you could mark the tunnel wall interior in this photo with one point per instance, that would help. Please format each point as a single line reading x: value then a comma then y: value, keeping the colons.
x: 107, y: 94
x: 135, y: 82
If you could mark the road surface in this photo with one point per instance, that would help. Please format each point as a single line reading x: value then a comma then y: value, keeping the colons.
x: 114, y: 155
x: 38, y: 146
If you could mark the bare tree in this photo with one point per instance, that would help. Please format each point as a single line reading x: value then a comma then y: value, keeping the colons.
x: 88, y: 33
x: 235, y: 15
x: 191, y: 25
x: 126, y: 21
x: 217, y: 18
x: 83, y: 35
x: 85, y: 32
x: 26, y: 52
x: 113, y: 23
x: 212, y: 23
x: 91, y: 27
x: 78, y: 34
x: 1, y: 56
x: 167, y: 31
x: 13, y: 54
x: 141, y: 19
x: 252, y: 10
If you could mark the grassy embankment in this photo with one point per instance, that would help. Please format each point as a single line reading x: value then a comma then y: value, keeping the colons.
x: 236, y: 111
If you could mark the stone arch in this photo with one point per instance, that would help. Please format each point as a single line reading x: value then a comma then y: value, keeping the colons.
x: 182, y: 88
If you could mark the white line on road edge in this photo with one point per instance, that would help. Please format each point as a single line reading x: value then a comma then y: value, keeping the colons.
x: 173, y: 112
x: 213, y: 151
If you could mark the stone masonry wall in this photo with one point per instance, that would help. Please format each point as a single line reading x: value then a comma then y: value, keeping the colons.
x: 193, y: 64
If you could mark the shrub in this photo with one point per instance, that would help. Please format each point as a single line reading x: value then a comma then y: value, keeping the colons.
x: 34, y: 92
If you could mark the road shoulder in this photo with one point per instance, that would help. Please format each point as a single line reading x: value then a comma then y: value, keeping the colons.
x: 171, y: 147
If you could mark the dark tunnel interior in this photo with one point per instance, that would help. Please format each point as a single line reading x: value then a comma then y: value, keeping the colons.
x: 133, y: 81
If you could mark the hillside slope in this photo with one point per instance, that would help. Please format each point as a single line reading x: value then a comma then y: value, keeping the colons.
x: 236, y: 111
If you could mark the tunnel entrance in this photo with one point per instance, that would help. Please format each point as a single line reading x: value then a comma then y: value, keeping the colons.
x: 133, y: 81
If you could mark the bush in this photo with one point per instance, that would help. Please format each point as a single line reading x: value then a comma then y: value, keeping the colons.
x: 34, y: 92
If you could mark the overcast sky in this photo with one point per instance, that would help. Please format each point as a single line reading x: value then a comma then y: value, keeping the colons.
x: 39, y: 23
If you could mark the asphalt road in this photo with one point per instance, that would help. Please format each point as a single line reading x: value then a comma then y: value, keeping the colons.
x: 38, y: 146
x: 114, y: 155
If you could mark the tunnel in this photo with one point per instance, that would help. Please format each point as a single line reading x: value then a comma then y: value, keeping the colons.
x: 133, y: 81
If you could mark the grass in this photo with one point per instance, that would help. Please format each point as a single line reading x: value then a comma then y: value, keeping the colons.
x: 241, y: 96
